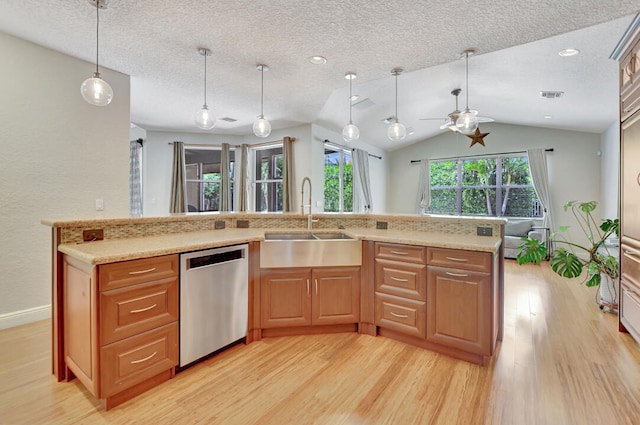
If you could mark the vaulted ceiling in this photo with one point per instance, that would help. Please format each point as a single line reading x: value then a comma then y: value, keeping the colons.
x: 156, y: 42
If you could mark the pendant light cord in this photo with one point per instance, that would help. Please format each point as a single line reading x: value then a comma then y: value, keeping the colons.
x: 262, y: 91
x: 467, y: 61
x: 97, y: 29
x: 350, y: 106
x: 396, y: 73
x: 205, y: 78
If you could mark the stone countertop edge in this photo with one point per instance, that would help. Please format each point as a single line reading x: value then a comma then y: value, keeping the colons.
x: 115, y: 250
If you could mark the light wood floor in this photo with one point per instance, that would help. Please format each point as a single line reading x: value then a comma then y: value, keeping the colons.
x: 562, y: 361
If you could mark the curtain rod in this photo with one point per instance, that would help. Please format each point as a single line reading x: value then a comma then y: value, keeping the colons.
x: 140, y: 141
x: 190, y: 145
x: 415, y: 161
x: 349, y: 149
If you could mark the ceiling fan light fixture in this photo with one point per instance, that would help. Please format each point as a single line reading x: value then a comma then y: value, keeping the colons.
x: 568, y: 52
x: 205, y: 119
x: 95, y: 90
x: 396, y: 131
x: 350, y: 132
x: 262, y: 127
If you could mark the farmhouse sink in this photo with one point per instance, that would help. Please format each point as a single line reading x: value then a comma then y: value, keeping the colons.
x: 306, y: 249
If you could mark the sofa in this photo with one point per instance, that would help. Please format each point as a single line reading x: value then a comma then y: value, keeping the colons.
x: 514, y: 230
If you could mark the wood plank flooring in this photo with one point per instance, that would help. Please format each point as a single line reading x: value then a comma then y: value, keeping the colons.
x: 562, y: 361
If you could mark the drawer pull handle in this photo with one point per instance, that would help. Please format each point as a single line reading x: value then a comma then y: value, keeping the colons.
x: 145, y: 359
x: 457, y: 274
x: 140, y: 310
x: 402, y: 316
x: 400, y: 252
x: 308, y: 290
x: 638, y: 179
x: 462, y: 260
x: 631, y: 67
x: 397, y: 279
x: 143, y: 271
x: 316, y: 284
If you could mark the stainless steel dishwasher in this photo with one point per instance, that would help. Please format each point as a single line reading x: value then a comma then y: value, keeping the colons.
x: 214, y: 300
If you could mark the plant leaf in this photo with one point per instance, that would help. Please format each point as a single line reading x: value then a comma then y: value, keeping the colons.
x: 594, y: 280
x: 531, y: 251
x: 587, y: 207
x: 566, y: 263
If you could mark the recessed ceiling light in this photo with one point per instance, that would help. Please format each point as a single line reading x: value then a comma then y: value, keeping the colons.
x: 548, y: 117
x: 354, y: 98
x: 568, y: 52
x: 318, y: 60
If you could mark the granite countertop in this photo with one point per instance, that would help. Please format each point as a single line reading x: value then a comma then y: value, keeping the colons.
x: 109, y: 251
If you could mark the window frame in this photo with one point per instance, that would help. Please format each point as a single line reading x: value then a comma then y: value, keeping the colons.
x: 272, y: 189
x: 201, y: 181
x: 341, y: 184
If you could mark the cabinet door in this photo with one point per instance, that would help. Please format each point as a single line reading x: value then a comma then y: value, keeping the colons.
x: 459, y: 309
x: 285, y: 297
x: 630, y: 173
x: 336, y: 296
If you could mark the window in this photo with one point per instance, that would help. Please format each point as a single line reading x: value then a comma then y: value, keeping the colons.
x: 268, y: 178
x: 204, y: 178
x: 491, y: 186
x: 338, y: 179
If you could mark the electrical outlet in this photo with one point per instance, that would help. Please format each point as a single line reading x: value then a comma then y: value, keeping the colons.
x: 242, y: 224
x: 484, y: 231
x: 381, y: 225
x: 99, y: 204
x: 92, y: 235
x: 219, y: 224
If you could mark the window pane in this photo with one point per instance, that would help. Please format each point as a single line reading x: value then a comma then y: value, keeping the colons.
x: 443, y: 201
x: 444, y: 173
x: 515, y: 170
x: 269, y: 196
x: 521, y: 202
x: 211, y: 193
x: 479, y: 172
x: 347, y: 183
x: 332, y: 183
x: 478, y: 202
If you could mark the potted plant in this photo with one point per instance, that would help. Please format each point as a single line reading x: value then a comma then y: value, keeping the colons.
x: 569, y: 259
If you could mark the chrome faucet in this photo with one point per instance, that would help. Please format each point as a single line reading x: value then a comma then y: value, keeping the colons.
x: 309, y: 219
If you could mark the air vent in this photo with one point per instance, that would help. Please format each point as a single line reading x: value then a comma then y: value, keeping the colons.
x: 551, y: 94
x: 363, y: 104
x: 228, y: 119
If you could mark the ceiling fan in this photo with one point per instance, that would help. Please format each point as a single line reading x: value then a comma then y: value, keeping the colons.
x: 450, y: 121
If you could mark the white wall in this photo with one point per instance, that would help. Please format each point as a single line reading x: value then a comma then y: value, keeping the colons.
x: 610, y: 166
x: 574, y: 165
x: 308, y: 151
x: 60, y: 154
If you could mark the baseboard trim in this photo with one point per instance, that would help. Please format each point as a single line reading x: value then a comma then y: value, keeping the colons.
x: 22, y: 317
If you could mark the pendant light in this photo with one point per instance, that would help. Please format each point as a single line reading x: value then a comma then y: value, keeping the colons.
x: 350, y: 132
x: 95, y: 90
x: 467, y: 121
x: 396, y: 132
x: 261, y: 126
x: 204, y: 117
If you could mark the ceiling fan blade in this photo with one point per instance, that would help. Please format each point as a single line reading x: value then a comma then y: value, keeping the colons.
x: 485, y: 119
x: 447, y: 125
x: 433, y: 119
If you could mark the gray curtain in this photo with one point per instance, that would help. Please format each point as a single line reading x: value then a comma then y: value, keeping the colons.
x: 178, y: 180
x: 362, y: 182
x: 243, y: 190
x: 540, y: 179
x: 225, y: 179
x: 287, y: 174
x: 423, y: 200
x: 135, y: 178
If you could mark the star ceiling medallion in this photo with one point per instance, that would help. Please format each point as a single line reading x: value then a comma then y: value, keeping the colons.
x: 477, y: 137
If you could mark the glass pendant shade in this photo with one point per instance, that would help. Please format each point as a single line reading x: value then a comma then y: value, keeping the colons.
x: 350, y: 132
x: 397, y: 132
x: 261, y: 127
x: 467, y: 122
x: 96, y: 91
x: 205, y: 118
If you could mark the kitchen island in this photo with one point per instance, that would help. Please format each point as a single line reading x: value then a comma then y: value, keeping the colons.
x: 425, y: 280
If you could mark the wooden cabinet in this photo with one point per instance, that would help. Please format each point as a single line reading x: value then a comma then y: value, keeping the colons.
x: 121, y: 325
x: 400, y: 281
x: 629, y: 305
x: 309, y: 297
x: 461, y: 300
x: 629, y: 84
x: 630, y: 177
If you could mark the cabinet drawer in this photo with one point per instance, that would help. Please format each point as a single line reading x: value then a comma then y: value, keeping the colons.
x: 629, y: 84
x: 630, y: 266
x: 406, y: 280
x: 134, y: 309
x: 460, y: 259
x: 630, y: 310
x: 399, y: 252
x: 130, y: 361
x: 126, y: 273
x: 401, y: 315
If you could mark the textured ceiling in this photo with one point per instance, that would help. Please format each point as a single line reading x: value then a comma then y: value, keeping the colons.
x: 156, y: 43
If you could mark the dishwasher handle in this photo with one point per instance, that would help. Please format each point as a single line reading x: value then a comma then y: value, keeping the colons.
x: 216, y: 258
